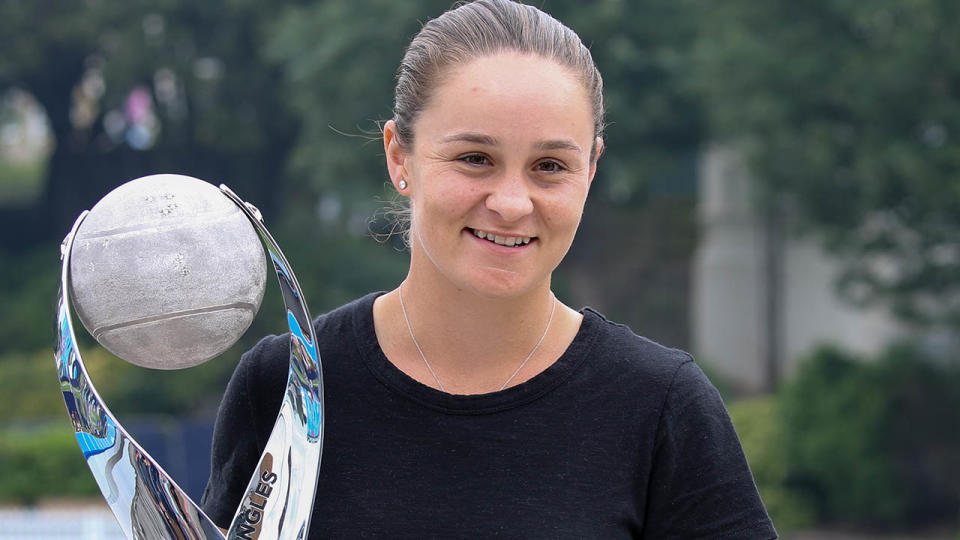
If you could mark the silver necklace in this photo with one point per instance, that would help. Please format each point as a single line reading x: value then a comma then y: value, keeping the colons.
x: 403, y: 309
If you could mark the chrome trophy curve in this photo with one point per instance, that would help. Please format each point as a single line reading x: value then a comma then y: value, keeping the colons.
x: 279, y: 499
x: 146, y: 501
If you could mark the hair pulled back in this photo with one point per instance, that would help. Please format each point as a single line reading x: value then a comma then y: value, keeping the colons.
x: 483, y: 28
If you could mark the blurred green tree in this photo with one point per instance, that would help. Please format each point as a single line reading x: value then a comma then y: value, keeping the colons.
x: 131, y: 89
x: 872, y: 441
x: 850, y: 109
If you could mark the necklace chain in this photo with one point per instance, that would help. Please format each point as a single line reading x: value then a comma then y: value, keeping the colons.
x: 403, y: 309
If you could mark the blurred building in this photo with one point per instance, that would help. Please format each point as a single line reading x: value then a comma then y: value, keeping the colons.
x: 761, y: 297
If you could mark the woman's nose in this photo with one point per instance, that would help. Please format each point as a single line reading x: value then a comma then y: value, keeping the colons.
x: 510, y: 197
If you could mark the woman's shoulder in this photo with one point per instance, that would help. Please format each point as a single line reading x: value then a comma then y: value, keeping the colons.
x: 618, y: 343
x: 623, y: 353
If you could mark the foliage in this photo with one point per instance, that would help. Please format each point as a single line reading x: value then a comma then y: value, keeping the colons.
x: 42, y: 461
x: 29, y: 389
x: 857, y: 441
x: 850, y: 109
x: 866, y: 440
x: 20, y: 181
x: 837, y: 414
x: 28, y: 285
x: 925, y: 409
x: 28, y: 385
x: 762, y: 434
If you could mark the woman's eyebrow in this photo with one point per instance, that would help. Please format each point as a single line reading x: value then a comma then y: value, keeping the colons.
x: 481, y: 138
x: 558, y: 144
x: 470, y: 137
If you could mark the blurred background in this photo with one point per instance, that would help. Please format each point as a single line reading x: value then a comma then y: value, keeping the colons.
x: 779, y: 195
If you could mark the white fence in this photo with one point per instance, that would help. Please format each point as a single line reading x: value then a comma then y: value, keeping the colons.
x: 50, y: 524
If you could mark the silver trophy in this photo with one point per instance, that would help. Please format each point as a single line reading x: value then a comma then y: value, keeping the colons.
x: 145, y: 500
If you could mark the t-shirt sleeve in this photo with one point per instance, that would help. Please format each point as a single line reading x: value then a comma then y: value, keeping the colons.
x: 236, y: 448
x: 701, y: 485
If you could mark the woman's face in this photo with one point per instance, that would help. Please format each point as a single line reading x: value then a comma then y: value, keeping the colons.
x: 498, y: 173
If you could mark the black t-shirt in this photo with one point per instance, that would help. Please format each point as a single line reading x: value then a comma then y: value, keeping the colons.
x: 619, y: 438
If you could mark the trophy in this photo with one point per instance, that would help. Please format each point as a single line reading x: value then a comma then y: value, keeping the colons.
x: 145, y: 500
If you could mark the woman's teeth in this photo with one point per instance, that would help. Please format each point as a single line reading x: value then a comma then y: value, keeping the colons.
x: 508, y: 241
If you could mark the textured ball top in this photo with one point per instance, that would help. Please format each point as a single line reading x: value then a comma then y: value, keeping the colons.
x: 166, y: 272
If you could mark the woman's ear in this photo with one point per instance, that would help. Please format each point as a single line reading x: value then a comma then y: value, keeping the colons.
x: 396, y: 156
x: 596, y: 158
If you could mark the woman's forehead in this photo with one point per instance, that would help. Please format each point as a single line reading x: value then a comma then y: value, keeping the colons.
x: 508, y: 94
x: 510, y: 73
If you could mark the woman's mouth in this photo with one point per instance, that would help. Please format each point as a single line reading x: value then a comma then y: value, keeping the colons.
x: 508, y: 241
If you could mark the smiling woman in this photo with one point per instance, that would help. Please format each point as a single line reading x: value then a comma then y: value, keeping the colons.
x: 503, y: 148
x: 469, y: 402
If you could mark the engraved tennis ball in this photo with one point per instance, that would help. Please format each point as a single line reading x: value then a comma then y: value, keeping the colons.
x: 166, y: 272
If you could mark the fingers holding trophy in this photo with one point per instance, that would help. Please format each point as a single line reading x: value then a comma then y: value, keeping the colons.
x: 167, y: 272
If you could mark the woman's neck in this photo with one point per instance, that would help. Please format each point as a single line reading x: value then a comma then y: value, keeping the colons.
x: 472, y: 343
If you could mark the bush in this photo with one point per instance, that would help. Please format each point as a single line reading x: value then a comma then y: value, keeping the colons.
x: 836, y: 413
x: 922, y: 432
x: 873, y: 443
x: 761, y: 433
x: 42, y: 462
x: 29, y: 386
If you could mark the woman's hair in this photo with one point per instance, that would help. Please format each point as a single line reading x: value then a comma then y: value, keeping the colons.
x: 483, y: 28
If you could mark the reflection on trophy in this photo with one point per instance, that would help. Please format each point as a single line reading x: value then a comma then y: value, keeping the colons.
x: 144, y: 269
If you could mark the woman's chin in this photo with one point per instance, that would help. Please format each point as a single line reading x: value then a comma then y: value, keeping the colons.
x: 501, y: 283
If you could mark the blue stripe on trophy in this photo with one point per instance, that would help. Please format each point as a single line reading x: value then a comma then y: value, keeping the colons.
x: 92, y: 445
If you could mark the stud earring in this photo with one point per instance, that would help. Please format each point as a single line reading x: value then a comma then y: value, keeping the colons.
x: 402, y: 184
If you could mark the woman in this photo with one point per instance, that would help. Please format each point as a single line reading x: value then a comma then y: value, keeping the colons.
x: 469, y: 402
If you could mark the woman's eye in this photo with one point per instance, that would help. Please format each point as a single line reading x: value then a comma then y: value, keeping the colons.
x: 474, y: 159
x: 549, y: 166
